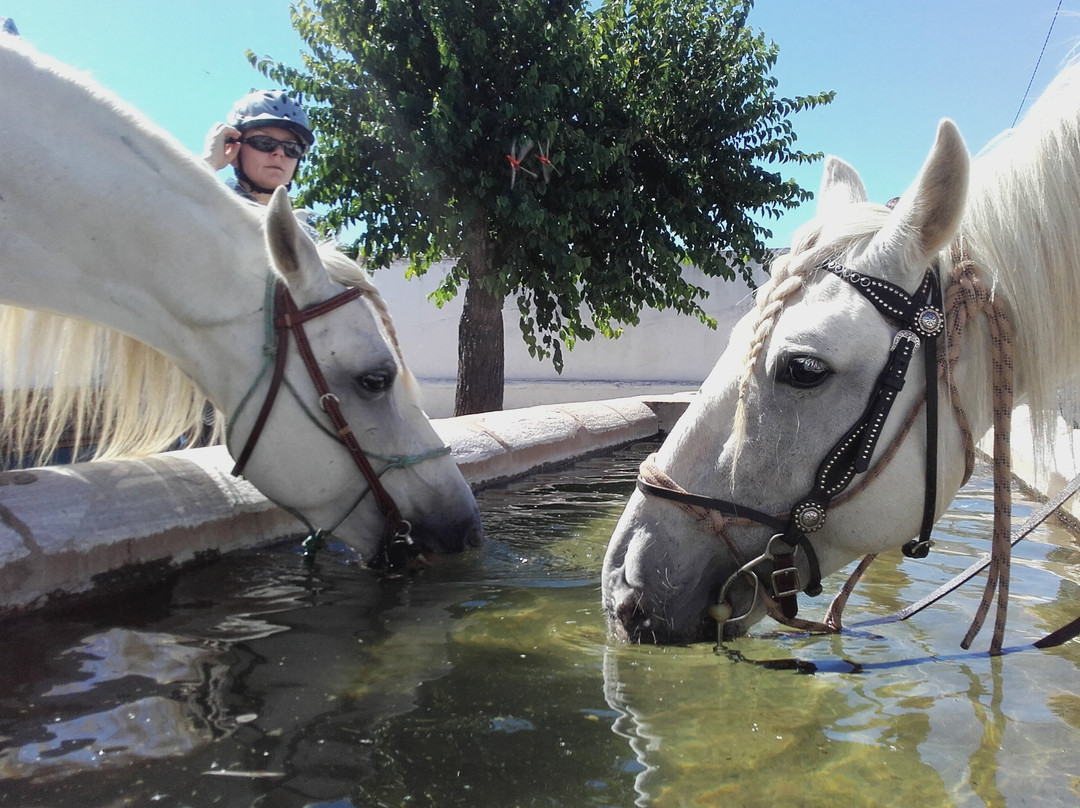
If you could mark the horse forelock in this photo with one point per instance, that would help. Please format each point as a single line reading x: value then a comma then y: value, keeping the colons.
x: 350, y: 273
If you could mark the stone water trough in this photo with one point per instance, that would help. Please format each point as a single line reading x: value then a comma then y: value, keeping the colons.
x: 91, y: 530
x: 70, y: 534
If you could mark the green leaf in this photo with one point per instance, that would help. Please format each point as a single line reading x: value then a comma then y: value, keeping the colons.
x: 659, y: 120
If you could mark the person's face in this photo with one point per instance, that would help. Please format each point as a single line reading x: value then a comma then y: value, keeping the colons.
x: 269, y: 169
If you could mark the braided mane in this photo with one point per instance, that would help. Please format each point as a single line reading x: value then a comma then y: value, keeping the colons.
x: 788, y: 275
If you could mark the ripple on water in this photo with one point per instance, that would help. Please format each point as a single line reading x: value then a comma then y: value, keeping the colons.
x: 490, y: 681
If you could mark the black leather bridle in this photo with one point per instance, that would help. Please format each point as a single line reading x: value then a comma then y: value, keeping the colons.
x: 921, y: 319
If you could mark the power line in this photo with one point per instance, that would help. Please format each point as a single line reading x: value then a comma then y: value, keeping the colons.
x: 1037, y: 63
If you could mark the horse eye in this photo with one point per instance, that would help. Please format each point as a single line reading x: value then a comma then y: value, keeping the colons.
x: 805, y: 371
x: 378, y: 381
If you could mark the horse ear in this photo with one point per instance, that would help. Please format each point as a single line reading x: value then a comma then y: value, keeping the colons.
x: 928, y: 214
x: 293, y: 252
x: 841, y: 185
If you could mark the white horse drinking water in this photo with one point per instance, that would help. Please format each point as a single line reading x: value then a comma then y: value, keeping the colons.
x: 806, y: 448
x: 108, y: 220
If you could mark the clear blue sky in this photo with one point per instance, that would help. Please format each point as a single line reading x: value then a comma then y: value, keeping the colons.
x: 897, y: 66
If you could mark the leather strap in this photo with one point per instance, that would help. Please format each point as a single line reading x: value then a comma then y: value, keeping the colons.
x: 920, y: 547
x: 397, y: 546
x: 281, y: 349
x: 294, y: 320
x: 283, y: 302
x: 713, y: 504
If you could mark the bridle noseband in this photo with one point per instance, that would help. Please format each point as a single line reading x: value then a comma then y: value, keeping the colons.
x: 397, y: 547
x: 921, y: 319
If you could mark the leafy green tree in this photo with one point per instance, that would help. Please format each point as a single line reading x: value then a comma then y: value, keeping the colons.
x: 648, y: 134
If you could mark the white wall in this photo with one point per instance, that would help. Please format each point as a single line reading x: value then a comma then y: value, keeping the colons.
x: 665, y: 352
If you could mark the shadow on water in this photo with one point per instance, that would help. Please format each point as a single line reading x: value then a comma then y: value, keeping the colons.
x: 489, y: 680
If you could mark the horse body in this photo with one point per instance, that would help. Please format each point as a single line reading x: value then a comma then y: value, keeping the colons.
x: 104, y: 218
x: 798, y: 373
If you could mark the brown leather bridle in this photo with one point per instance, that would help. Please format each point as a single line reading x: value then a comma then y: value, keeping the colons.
x: 397, y: 547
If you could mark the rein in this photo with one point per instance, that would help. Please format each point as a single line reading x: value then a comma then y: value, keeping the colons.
x: 970, y: 297
x: 1040, y: 515
x: 397, y: 547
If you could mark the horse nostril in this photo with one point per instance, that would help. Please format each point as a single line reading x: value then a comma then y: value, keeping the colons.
x: 633, y: 620
x: 474, y: 537
x: 629, y: 612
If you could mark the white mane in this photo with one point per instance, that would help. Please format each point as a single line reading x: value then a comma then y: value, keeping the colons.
x: 1022, y: 227
x: 67, y: 381
x: 71, y: 383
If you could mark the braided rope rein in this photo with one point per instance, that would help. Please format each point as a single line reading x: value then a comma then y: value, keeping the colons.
x: 966, y: 298
x: 974, y: 297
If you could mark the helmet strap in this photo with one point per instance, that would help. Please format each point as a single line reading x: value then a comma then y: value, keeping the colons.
x: 254, y: 187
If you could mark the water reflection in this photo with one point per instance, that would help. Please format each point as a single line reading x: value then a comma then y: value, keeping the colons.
x: 897, y: 718
x: 490, y: 681
x: 127, y: 734
x: 111, y: 698
x: 936, y: 735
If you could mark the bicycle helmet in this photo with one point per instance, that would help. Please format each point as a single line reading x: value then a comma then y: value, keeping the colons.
x: 270, y: 108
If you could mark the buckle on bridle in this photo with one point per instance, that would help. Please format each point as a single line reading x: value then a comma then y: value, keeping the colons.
x: 917, y: 548
x: 399, y: 553
x: 786, y: 582
x: 906, y: 334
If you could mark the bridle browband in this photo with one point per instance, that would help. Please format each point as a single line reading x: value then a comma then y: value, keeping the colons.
x: 397, y: 547
x: 921, y: 319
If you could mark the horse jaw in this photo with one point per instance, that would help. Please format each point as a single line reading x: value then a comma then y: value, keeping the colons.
x: 663, y: 570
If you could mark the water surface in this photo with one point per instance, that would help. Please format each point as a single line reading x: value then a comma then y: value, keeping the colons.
x: 489, y: 680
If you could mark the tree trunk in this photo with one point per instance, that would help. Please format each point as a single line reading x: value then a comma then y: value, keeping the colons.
x: 480, y: 333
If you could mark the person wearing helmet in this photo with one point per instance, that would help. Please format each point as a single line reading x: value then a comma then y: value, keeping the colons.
x: 263, y: 138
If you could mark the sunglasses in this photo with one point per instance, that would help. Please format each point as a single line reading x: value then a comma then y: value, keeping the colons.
x: 267, y: 144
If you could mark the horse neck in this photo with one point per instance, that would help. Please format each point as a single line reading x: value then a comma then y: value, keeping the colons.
x: 108, y: 219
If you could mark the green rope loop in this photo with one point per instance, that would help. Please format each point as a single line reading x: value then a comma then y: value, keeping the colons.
x: 404, y: 461
x: 312, y: 544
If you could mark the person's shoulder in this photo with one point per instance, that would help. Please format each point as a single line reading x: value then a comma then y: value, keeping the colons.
x: 305, y: 217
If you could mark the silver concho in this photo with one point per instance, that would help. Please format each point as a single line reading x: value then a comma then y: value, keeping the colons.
x: 809, y: 517
x: 929, y: 322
